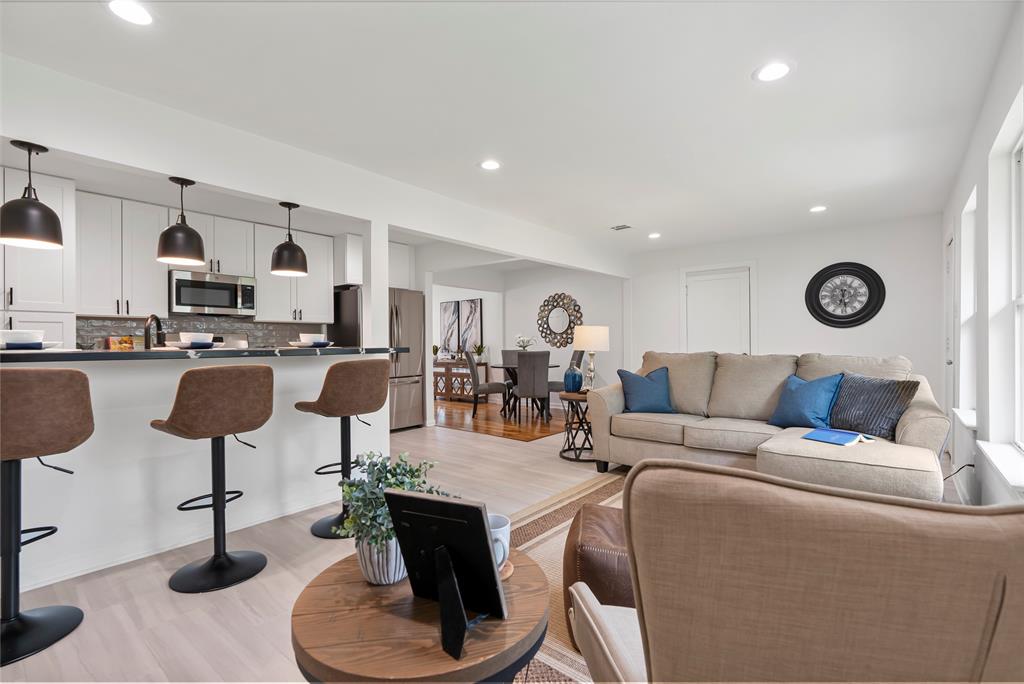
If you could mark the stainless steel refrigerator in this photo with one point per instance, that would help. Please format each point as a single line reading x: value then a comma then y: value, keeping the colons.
x: 407, y: 329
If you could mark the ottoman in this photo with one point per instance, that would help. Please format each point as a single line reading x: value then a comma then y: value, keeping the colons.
x: 881, y: 467
x: 595, y: 553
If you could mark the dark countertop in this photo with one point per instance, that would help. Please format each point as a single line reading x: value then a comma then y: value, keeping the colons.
x: 66, y: 355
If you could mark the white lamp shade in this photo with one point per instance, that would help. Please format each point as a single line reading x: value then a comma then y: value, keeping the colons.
x: 590, y: 338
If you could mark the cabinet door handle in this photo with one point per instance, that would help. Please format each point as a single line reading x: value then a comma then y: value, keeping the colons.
x: 293, y: 315
x: 211, y: 265
x: 10, y: 298
x: 300, y: 314
x: 127, y: 307
x: 218, y: 265
x: 10, y: 322
x: 117, y: 302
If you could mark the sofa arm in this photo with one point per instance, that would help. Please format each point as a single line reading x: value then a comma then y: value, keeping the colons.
x: 609, y: 638
x: 923, y: 424
x: 604, y: 403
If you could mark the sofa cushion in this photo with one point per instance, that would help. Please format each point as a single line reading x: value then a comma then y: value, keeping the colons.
x: 689, y: 378
x: 873, y: 406
x: 646, y: 393
x: 814, y: 366
x: 880, y: 466
x: 728, y: 434
x: 749, y: 386
x: 806, y: 403
x: 654, y: 427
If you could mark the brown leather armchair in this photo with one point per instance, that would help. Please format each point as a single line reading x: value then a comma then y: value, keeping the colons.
x: 741, y: 576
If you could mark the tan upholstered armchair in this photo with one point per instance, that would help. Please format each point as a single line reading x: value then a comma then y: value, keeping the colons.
x: 742, y: 576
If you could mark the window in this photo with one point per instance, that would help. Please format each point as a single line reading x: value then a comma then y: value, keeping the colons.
x: 1017, y: 228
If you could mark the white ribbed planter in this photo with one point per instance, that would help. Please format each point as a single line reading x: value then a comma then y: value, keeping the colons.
x: 381, y: 564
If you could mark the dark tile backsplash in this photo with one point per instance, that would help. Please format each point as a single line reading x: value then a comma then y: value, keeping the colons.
x: 91, y: 331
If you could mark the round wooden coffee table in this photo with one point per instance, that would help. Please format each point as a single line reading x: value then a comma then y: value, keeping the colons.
x: 344, y: 629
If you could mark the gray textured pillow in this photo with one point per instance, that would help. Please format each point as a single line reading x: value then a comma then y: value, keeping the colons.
x: 872, y: 406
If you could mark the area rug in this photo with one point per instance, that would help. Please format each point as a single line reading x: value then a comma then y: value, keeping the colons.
x: 541, y: 531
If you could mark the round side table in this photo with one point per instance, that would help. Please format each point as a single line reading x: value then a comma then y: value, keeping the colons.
x: 577, y: 427
x: 346, y: 630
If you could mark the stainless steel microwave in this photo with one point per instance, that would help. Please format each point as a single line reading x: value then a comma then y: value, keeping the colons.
x: 196, y: 292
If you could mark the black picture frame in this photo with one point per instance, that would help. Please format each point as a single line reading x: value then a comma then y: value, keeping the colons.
x: 876, y: 294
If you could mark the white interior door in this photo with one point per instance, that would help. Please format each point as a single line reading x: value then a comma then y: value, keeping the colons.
x: 952, y: 320
x: 717, y: 314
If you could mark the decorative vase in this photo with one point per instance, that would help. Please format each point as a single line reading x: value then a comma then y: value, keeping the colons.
x: 381, y: 564
x: 573, y: 379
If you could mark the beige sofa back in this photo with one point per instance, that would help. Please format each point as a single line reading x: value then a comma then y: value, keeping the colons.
x: 749, y: 386
x: 740, y: 576
x: 689, y: 378
x: 814, y: 366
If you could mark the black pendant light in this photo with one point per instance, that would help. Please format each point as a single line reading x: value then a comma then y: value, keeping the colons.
x: 27, y: 222
x: 181, y: 244
x: 288, y: 259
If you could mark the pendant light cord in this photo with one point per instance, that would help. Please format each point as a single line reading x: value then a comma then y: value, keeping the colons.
x: 181, y: 201
x: 30, y: 191
x: 290, y: 225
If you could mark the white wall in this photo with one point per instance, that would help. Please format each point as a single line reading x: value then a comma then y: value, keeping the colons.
x: 907, y: 255
x: 600, y: 298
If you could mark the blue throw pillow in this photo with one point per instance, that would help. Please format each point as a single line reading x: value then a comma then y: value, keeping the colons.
x: 806, y: 403
x: 646, y: 393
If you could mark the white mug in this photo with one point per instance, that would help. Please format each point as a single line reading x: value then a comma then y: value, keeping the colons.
x: 501, y: 531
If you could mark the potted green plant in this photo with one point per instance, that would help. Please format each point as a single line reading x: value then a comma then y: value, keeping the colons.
x: 368, y: 519
x: 480, y: 351
x: 435, y: 349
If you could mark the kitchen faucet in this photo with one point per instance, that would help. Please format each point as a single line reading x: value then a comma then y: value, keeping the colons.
x: 161, y: 339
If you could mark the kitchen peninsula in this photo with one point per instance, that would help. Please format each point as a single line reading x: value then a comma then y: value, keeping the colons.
x: 128, y: 478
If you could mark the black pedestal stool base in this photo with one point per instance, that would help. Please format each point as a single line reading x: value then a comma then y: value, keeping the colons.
x: 217, y: 572
x: 31, y: 631
x: 323, y: 527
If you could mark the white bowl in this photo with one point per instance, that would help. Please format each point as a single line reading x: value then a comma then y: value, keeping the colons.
x: 312, y: 337
x: 195, y: 337
x: 21, y: 336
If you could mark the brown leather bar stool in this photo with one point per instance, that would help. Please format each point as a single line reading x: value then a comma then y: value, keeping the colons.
x: 350, y: 388
x: 201, y: 412
x: 42, y: 412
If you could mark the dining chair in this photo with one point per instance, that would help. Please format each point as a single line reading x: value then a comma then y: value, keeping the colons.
x: 482, y: 388
x: 508, y: 359
x: 532, y: 385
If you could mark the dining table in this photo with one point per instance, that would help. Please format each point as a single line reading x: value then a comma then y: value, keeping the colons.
x: 512, y: 371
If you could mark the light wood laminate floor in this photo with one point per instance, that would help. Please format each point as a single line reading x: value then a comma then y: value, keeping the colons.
x: 137, y: 629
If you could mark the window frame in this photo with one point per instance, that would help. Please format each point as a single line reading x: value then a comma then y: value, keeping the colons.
x: 1017, y: 237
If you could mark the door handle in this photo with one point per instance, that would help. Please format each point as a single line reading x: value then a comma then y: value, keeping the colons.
x: 10, y: 298
x: 117, y: 303
x: 293, y: 314
x: 218, y: 265
x: 300, y: 314
x: 211, y: 265
x: 127, y: 308
x: 10, y: 322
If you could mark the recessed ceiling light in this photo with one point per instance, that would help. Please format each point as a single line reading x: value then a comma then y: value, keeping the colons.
x: 772, y: 71
x: 818, y: 209
x: 654, y: 236
x: 490, y: 165
x: 130, y: 11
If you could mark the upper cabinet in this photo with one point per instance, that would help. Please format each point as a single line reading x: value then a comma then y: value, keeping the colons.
x: 143, y: 278
x: 309, y: 299
x: 232, y: 247
x: 42, y: 279
x: 99, y: 255
x: 227, y: 243
x: 348, y: 259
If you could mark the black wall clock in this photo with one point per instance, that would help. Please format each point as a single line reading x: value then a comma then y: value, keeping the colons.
x: 845, y: 295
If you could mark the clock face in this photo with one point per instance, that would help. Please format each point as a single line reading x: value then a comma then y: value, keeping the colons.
x: 844, y: 295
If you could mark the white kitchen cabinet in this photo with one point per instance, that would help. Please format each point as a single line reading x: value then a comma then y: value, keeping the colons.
x: 314, y: 294
x: 274, y: 297
x: 399, y: 265
x: 42, y: 279
x: 348, y: 259
x: 144, y: 283
x: 232, y: 247
x: 279, y: 298
x: 56, y: 326
x: 99, y: 255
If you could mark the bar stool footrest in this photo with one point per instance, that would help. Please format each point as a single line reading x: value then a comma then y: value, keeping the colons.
x: 190, y: 504
x: 322, y: 470
x: 40, y: 532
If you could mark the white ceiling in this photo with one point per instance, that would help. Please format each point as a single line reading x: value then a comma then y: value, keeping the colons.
x: 602, y: 113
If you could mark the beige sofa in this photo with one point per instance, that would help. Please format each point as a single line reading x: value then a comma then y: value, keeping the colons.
x: 723, y: 403
x: 740, y: 576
